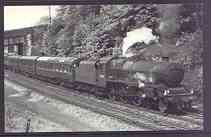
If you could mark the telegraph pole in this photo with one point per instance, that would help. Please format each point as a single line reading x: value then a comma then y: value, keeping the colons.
x: 47, y: 40
x: 49, y: 10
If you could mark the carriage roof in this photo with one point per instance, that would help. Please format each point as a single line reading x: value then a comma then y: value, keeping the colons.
x: 29, y: 57
x: 66, y: 60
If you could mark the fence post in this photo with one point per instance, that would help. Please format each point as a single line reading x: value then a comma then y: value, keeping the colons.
x: 28, y: 125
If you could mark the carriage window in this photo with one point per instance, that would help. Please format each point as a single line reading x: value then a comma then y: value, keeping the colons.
x: 10, y: 49
x: 101, y: 68
x: 24, y: 62
x: 42, y: 64
x: 65, y: 68
x: 68, y: 68
x: 31, y: 62
x: 46, y: 65
x: 55, y: 66
x: 75, y: 65
x: 50, y: 66
x: 60, y: 67
x: 28, y: 62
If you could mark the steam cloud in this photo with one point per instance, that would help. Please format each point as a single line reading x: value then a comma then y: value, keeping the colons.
x: 167, y: 29
x: 143, y: 34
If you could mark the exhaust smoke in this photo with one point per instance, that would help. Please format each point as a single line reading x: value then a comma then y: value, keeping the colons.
x: 143, y: 34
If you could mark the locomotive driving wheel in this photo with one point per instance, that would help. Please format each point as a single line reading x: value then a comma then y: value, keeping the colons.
x: 137, y: 101
x: 111, y: 95
x: 122, y: 90
x: 162, y: 106
x: 179, y: 108
x: 188, y: 105
x: 123, y: 99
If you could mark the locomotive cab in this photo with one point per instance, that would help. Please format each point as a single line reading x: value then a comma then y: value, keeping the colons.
x: 93, y: 72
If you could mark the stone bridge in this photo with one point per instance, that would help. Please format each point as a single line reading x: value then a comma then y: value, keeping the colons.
x: 21, y: 41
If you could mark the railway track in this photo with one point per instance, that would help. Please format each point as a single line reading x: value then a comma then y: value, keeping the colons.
x: 141, y: 117
x: 188, y: 116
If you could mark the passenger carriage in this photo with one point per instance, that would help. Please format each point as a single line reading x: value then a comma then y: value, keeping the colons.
x: 56, y: 68
x: 27, y: 64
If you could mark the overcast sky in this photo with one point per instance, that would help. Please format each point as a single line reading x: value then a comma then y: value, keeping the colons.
x: 24, y: 16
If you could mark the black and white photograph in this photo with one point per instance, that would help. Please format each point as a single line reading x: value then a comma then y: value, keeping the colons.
x: 85, y: 68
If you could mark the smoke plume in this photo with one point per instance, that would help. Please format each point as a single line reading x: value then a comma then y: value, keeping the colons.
x: 142, y: 34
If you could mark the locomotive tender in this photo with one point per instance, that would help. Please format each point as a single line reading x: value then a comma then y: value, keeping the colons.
x: 149, y: 84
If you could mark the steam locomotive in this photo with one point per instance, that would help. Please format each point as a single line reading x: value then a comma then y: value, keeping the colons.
x: 138, y: 82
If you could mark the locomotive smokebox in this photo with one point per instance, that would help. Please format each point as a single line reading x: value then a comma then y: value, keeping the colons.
x: 171, y: 74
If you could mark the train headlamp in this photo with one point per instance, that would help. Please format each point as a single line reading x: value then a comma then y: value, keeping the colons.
x: 191, y: 91
x: 143, y: 95
x: 166, y: 92
x: 144, y: 78
x: 150, y: 79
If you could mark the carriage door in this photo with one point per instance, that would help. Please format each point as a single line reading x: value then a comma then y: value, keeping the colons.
x: 20, y: 49
x: 101, y: 74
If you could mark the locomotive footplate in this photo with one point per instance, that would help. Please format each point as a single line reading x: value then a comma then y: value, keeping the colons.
x: 179, y: 94
x: 184, y: 98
